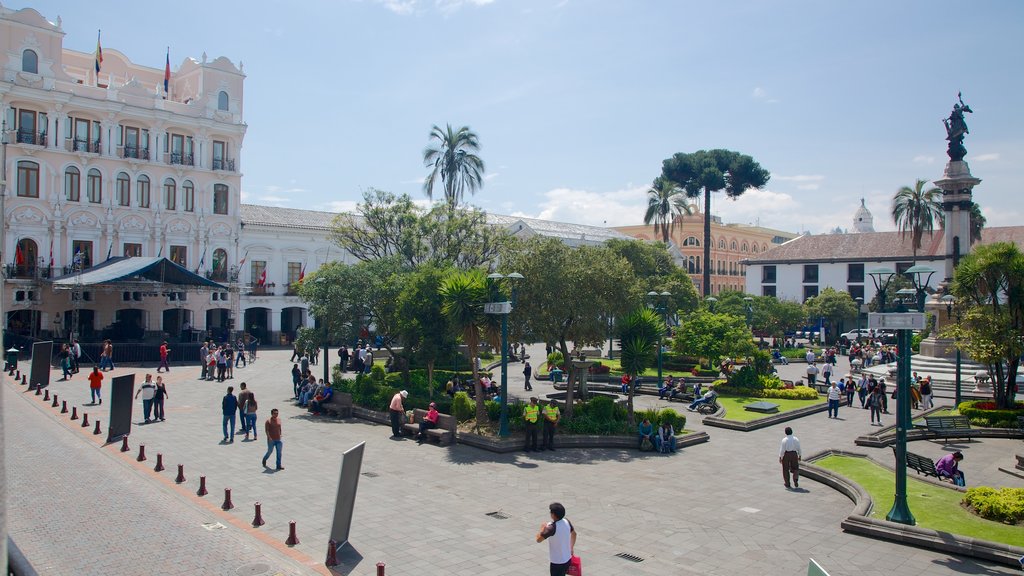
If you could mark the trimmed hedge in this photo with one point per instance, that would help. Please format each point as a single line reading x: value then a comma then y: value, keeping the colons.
x: 983, y: 413
x: 1003, y: 505
x: 798, y: 393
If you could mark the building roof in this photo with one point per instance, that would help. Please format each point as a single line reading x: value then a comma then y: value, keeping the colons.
x: 286, y: 217
x: 872, y: 247
x: 253, y: 214
x: 139, y: 271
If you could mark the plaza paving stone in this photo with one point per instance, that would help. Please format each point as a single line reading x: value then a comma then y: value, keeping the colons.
x: 718, y: 508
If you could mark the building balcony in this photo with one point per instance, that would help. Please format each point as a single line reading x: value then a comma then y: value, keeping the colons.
x: 257, y: 290
x: 33, y: 271
x: 81, y: 145
x: 179, y: 159
x: 29, y: 137
x: 224, y: 164
x: 134, y: 152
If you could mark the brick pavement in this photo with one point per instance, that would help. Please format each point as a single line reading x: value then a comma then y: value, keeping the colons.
x: 718, y: 508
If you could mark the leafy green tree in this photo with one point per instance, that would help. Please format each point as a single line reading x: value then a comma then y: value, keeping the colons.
x: 713, y: 335
x: 639, y: 334
x: 775, y: 318
x: 452, y: 157
x: 421, y: 321
x: 665, y: 201
x: 708, y: 171
x: 833, y: 307
x: 463, y: 294
x: 989, y: 287
x: 654, y: 269
x: 916, y: 210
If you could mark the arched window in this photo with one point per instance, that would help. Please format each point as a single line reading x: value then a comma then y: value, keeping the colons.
x: 170, y: 194
x: 30, y: 62
x: 764, y: 247
x: 72, y: 184
x: 721, y: 244
x: 142, y: 189
x: 94, y: 186
x: 188, y: 192
x: 746, y: 247
x: 124, y: 190
x: 25, y: 258
x: 222, y: 101
x: 733, y: 245
x: 691, y: 241
x: 220, y: 199
x: 28, y: 179
x: 220, y: 265
x: 755, y: 248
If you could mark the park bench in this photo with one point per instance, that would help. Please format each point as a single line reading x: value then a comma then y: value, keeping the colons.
x: 949, y: 426
x: 920, y: 464
x: 1020, y: 423
x: 340, y: 405
x: 444, y: 433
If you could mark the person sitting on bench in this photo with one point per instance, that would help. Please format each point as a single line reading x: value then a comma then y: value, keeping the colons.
x: 666, y: 387
x: 429, y: 421
x: 316, y: 405
x: 665, y: 440
x: 948, y: 468
x: 645, y: 431
x: 708, y: 397
x: 679, y: 390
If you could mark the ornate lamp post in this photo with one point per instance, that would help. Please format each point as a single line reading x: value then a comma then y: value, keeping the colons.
x: 748, y: 304
x: 860, y: 308
x: 950, y: 302
x: 504, y: 309
x: 711, y: 300
x: 3, y: 222
x: 660, y: 303
x: 922, y: 276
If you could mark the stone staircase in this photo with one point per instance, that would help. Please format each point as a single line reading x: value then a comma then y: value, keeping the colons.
x: 942, y: 371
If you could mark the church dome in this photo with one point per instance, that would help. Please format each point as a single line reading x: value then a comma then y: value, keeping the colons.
x: 863, y: 221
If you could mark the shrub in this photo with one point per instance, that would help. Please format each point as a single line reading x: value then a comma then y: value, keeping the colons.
x: 462, y: 407
x: 493, y: 410
x: 556, y: 358
x: 762, y: 362
x: 770, y: 382
x: 984, y: 413
x: 798, y: 393
x: 585, y: 424
x: 745, y: 379
x: 677, y: 420
x: 602, y: 408
x: 599, y: 369
x: 378, y: 374
x: 1003, y: 505
x: 486, y: 355
x: 648, y: 413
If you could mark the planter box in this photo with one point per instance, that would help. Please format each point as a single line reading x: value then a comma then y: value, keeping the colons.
x: 723, y: 422
x: 514, y: 443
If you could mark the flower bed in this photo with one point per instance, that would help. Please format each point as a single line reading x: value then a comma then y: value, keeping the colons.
x: 984, y: 413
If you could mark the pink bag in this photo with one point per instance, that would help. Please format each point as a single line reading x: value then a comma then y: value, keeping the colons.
x: 575, y: 567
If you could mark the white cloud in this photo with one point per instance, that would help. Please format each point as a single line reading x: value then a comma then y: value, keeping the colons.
x: 337, y: 206
x: 761, y: 94
x: 615, y: 208
x: 419, y: 181
x: 924, y: 159
x: 995, y: 216
x: 991, y: 157
x: 406, y: 7
x: 802, y: 181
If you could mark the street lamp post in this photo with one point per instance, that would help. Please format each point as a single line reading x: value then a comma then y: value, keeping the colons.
x: 660, y: 302
x: 950, y: 302
x: 505, y: 310
x: 3, y: 223
x: 748, y: 304
x: 711, y: 300
x: 860, y: 308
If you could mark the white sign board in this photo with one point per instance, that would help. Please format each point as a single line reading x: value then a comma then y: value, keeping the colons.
x: 497, y: 308
x: 896, y: 321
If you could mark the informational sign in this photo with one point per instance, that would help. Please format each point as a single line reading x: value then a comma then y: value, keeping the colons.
x: 40, y: 376
x: 344, y: 503
x: 896, y: 321
x: 498, y: 308
x: 121, y: 401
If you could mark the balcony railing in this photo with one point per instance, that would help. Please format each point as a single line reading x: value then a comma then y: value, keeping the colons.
x: 34, y: 271
x: 181, y: 159
x: 257, y: 290
x: 137, y: 153
x: 29, y: 137
x: 80, y: 145
x: 223, y: 164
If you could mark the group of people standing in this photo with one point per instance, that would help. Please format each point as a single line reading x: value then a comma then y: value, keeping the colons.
x: 153, y: 396
x: 219, y: 361
x: 358, y: 360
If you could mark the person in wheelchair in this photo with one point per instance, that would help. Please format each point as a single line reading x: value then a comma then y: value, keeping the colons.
x: 705, y: 400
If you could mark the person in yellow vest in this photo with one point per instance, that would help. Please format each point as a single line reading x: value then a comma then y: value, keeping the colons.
x: 551, y: 416
x: 531, y: 412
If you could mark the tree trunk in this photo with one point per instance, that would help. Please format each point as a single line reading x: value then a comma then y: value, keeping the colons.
x: 629, y: 404
x: 707, y: 243
x: 430, y: 378
x: 481, y: 408
x: 568, y: 378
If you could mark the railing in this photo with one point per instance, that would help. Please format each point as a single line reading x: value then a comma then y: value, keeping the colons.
x: 223, y: 164
x: 79, y: 145
x: 29, y: 137
x: 137, y: 153
x: 32, y: 271
x: 291, y: 292
x: 182, y: 159
x: 256, y: 290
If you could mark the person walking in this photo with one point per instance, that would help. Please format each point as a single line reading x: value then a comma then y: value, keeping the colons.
x: 527, y: 372
x: 926, y: 393
x: 164, y: 354
x: 296, y: 380
x: 561, y: 537
x: 849, y: 391
x: 159, y: 395
x: 272, y: 428
x: 531, y: 412
x: 833, y: 400
x: 875, y: 400
x: 76, y: 355
x: 789, y: 457
x: 551, y: 417
x: 812, y: 373
x: 885, y: 398
x: 826, y: 372
x: 65, y: 361
x: 250, y: 407
x: 95, y: 383
x: 228, y: 407
x: 243, y: 398
x: 148, y: 391
x: 204, y: 355
x: 397, y: 411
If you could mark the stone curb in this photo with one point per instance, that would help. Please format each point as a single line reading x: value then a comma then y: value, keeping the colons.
x: 723, y: 422
x: 859, y: 523
x: 515, y: 443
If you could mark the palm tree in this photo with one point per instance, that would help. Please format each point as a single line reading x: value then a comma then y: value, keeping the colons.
x: 463, y: 293
x: 708, y: 171
x: 915, y: 211
x: 452, y: 154
x: 978, y: 222
x: 639, y: 334
x: 665, y: 201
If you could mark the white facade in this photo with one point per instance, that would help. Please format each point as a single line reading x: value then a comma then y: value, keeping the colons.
x: 843, y: 276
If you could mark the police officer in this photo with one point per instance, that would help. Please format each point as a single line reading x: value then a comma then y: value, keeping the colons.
x: 531, y: 412
x: 551, y: 416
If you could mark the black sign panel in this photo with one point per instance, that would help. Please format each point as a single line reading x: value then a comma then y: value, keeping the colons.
x: 40, y: 376
x: 121, y: 390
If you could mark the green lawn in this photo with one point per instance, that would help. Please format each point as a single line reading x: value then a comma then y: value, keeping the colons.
x: 933, y: 507
x: 616, y: 367
x: 734, y: 406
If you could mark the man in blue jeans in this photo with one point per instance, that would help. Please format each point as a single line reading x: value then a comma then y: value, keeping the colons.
x: 148, y: 391
x: 229, y: 407
x: 273, y: 431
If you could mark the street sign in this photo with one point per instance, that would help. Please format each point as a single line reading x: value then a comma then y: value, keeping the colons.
x: 896, y: 321
x: 497, y: 308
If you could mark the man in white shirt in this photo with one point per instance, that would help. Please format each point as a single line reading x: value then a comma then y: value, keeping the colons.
x: 833, y: 401
x: 148, y: 391
x: 809, y: 356
x: 789, y: 457
x: 561, y: 537
x: 812, y: 373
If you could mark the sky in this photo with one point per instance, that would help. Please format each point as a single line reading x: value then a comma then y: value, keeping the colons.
x: 577, y: 102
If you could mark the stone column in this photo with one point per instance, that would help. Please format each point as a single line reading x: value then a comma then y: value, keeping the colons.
x: 957, y: 184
